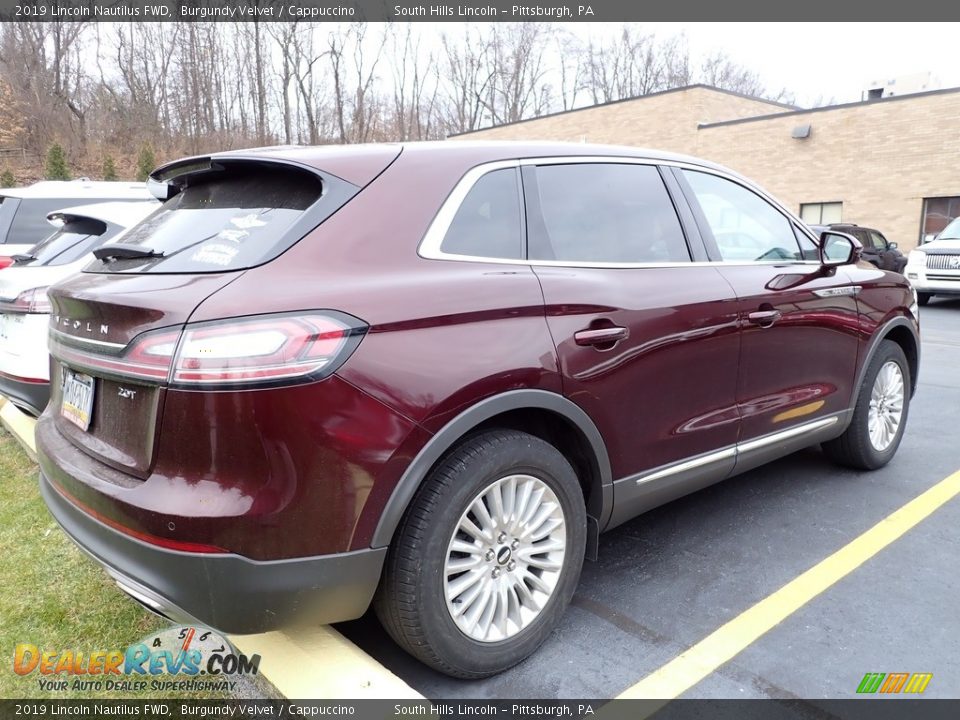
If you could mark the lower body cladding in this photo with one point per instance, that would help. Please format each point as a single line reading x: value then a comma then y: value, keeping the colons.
x: 227, y: 592
x: 640, y: 493
x: 29, y: 394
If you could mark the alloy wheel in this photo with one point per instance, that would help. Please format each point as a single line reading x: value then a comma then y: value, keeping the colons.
x: 886, y: 406
x: 504, y: 558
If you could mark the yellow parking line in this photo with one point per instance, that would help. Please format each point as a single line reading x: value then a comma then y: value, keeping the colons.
x: 318, y: 662
x: 20, y: 426
x: 699, y: 661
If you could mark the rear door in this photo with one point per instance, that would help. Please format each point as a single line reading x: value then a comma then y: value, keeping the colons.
x: 646, y: 338
x: 799, y: 322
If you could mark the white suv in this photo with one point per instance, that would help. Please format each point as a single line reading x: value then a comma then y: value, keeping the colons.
x: 934, y: 267
x: 24, y: 210
x: 24, y: 307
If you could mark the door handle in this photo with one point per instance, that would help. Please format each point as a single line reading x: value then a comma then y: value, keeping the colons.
x: 764, y: 318
x: 601, y: 336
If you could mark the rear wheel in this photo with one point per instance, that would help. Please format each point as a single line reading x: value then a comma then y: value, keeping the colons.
x: 880, y: 416
x: 923, y: 298
x: 487, y: 557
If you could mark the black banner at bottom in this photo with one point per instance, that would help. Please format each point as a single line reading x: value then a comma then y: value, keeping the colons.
x: 794, y: 709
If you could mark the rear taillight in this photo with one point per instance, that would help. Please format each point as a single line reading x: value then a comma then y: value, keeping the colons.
x: 5, y: 261
x: 240, y: 352
x: 34, y: 300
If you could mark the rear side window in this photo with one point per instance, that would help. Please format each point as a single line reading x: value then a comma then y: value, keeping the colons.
x: 488, y: 223
x: 71, y: 242
x: 234, y: 216
x: 606, y: 212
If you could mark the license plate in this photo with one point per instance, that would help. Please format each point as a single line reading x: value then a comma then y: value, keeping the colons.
x: 77, y: 405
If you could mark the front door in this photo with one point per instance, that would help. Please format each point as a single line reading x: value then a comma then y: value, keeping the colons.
x: 799, y: 322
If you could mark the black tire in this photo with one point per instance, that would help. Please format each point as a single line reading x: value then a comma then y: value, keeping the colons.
x: 854, y: 449
x: 923, y: 298
x: 410, y: 601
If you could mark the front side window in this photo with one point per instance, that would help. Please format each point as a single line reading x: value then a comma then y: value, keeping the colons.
x: 745, y: 227
x: 488, y: 223
x: 606, y: 213
x: 879, y: 242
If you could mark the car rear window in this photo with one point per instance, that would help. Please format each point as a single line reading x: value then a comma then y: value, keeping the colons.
x: 232, y: 217
x: 71, y: 242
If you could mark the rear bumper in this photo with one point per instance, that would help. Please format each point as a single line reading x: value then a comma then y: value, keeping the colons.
x: 29, y: 396
x: 227, y: 592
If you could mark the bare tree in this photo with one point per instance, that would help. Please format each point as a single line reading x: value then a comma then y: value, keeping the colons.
x: 516, y: 58
x: 635, y: 63
x: 467, y: 80
x: 415, y: 87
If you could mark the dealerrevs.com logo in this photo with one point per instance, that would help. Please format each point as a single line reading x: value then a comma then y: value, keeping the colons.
x: 204, y: 659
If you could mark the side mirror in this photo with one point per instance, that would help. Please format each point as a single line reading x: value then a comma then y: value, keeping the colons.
x: 892, y: 246
x: 839, y: 249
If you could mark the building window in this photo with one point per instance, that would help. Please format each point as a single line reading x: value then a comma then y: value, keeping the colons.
x: 937, y: 214
x: 821, y: 213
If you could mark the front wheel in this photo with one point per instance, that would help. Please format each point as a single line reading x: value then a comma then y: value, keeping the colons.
x: 487, y: 557
x: 879, y: 419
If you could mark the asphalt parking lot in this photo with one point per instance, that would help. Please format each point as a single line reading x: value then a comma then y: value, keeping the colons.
x: 670, y: 578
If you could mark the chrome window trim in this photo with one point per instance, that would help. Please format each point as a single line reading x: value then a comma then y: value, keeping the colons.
x: 429, y: 248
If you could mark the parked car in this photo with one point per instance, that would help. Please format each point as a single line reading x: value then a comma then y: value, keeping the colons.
x: 24, y: 307
x: 23, y: 211
x: 934, y: 267
x: 428, y: 376
x: 877, y: 250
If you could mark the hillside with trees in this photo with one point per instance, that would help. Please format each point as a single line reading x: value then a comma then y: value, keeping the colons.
x: 114, y: 98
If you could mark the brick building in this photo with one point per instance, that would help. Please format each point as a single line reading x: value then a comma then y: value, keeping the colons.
x: 892, y: 163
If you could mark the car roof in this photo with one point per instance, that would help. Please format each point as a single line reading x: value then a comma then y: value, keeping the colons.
x: 79, y: 189
x: 853, y: 226
x: 124, y: 214
x: 488, y: 150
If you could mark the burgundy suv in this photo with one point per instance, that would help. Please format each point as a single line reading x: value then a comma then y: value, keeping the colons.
x: 428, y: 377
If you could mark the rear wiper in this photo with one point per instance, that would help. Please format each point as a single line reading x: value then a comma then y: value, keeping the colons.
x: 23, y: 258
x: 124, y: 252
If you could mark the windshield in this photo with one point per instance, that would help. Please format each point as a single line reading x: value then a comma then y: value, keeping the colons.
x: 71, y: 242
x: 951, y: 231
x: 229, y: 219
